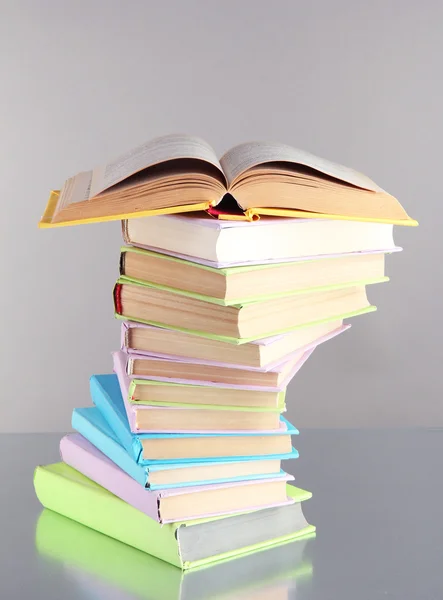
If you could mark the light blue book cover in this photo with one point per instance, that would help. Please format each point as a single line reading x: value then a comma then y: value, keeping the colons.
x: 90, y: 423
x: 106, y: 395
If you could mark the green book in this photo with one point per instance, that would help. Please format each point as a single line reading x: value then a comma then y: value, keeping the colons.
x: 185, y: 545
x: 97, y: 560
x: 239, y: 285
x: 157, y: 305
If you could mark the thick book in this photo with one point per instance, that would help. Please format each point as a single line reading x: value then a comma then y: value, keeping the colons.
x: 148, y: 448
x: 173, y: 504
x: 186, y: 545
x: 262, y: 355
x: 91, y: 424
x: 237, y: 285
x: 179, y: 173
x: 223, y: 244
x: 159, y: 406
x: 180, y: 371
x: 93, y: 561
x: 241, y: 323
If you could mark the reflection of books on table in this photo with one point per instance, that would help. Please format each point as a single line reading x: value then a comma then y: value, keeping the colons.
x: 109, y: 569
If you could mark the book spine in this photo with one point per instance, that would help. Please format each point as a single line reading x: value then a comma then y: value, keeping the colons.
x: 118, y: 298
x: 103, y: 512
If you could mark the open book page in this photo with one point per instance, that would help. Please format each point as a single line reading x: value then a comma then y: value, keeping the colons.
x: 245, y: 156
x: 151, y: 153
x: 76, y: 189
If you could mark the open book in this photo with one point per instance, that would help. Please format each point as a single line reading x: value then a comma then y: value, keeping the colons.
x: 180, y: 173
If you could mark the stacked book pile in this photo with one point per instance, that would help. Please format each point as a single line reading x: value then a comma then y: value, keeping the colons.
x: 181, y: 454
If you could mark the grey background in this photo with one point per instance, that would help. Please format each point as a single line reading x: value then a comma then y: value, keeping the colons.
x: 83, y: 81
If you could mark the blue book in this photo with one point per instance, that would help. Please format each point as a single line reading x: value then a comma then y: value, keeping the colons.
x: 181, y: 449
x: 90, y: 423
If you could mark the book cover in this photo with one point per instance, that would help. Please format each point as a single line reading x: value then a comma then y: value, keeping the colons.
x: 125, y: 357
x: 66, y: 491
x: 85, y: 458
x: 107, y: 397
x: 275, y: 366
x: 90, y: 423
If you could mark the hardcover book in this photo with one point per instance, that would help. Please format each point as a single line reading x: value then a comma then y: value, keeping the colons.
x: 173, y: 504
x: 261, y: 355
x: 239, y: 324
x: 147, y: 448
x: 186, y: 545
x: 239, y: 285
x: 180, y: 173
x: 217, y: 243
x: 156, y: 475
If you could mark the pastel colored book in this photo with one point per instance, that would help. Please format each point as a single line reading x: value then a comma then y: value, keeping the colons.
x: 240, y: 323
x: 217, y: 243
x: 261, y: 355
x: 104, y: 565
x: 155, y: 475
x: 158, y: 389
x: 180, y: 371
x: 158, y: 406
x: 237, y: 285
x: 147, y: 448
x: 186, y: 545
x: 173, y: 504
x: 178, y: 173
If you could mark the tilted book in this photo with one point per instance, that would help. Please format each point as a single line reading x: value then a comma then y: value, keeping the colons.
x: 156, y: 475
x: 163, y: 448
x: 264, y: 355
x: 173, y: 504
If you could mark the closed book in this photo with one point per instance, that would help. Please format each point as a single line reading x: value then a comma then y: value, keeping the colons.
x: 156, y: 475
x: 187, y: 374
x: 226, y: 243
x: 186, y: 545
x: 102, y: 565
x: 158, y: 406
x: 182, y: 448
x: 240, y: 323
x: 173, y: 504
x: 264, y: 355
x: 238, y: 285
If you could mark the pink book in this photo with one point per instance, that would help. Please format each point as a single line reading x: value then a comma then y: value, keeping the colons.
x: 127, y: 325
x: 290, y: 366
x: 119, y: 359
x: 176, y: 504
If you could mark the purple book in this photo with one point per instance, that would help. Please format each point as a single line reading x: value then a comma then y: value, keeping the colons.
x: 128, y: 325
x: 125, y: 382
x: 289, y: 368
x: 172, y: 505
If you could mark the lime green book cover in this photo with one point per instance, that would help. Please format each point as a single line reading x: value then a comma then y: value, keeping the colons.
x: 69, y: 493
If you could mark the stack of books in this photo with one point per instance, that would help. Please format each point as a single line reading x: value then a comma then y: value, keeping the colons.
x: 181, y: 453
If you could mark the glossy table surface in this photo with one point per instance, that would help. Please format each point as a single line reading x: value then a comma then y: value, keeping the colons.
x: 377, y: 505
